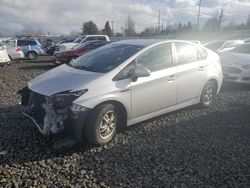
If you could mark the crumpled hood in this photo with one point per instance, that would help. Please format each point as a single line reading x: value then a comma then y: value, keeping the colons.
x: 62, y: 78
x: 235, y: 58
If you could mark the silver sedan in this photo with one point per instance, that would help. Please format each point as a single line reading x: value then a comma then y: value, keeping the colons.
x: 121, y: 84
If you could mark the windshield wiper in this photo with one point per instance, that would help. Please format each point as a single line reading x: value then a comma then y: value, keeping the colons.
x: 81, y: 67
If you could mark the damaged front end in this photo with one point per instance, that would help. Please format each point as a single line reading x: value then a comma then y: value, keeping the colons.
x: 51, y: 113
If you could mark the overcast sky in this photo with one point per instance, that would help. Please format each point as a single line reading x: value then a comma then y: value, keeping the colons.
x: 64, y: 16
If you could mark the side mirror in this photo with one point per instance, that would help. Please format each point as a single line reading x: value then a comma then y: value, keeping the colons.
x: 138, y: 72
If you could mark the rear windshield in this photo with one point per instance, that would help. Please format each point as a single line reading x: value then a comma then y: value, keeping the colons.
x: 106, y: 58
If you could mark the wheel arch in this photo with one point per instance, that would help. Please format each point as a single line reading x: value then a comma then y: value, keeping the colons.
x: 34, y: 51
x: 121, y: 110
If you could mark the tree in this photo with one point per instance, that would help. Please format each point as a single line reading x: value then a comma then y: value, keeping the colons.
x: 148, y: 32
x: 129, y: 27
x: 211, y: 24
x: 89, y: 28
x: 107, y: 29
x: 248, y: 22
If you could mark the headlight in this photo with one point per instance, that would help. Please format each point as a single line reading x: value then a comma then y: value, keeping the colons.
x: 246, y: 66
x: 78, y: 108
x: 65, y: 99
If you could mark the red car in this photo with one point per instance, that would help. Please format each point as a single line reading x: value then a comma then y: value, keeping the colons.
x: 67, y: 56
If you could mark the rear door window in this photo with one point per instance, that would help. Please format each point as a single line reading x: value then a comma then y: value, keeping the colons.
x: 91, y: 38
x: 186, y: 53
x: 157, y: 58
x: 22, y: 43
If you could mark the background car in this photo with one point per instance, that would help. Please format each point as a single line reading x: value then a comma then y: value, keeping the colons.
x: 51, y: 49
x: 236, y: 64
x: 121, y: 84
x: 31, y: 47
x: 80, y: 40
x: 4, y: 58
x: 67, y: 56
x: 223, y: 45
x: 13, y: 52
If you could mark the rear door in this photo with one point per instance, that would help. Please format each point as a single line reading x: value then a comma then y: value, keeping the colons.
x: 191, y: 71
x: 24, y: 45
x: 159, y: 90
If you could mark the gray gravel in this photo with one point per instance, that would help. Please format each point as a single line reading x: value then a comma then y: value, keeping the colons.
x: 188, y: 148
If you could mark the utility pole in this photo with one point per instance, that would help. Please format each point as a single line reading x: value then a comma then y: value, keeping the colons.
x: 112, y: 25
x: 198, y: 16
x: 159, y: 21
x: 220, y: 18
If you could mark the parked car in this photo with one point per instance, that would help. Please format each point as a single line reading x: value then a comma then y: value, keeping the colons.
x: 120, y: 84
x: 51, y: 49
x: 236, y: 64
x: 81, y: 40
x: 4, y: 58
x: 31, y: 47
x: 13, y: 52
x: 67, y: 56
x: 223, y: 45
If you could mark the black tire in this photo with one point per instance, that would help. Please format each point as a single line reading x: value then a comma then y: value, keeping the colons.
x: 32, y: 55
x: 10, y: 58
x: 94, y: 131
x: 208, y: 94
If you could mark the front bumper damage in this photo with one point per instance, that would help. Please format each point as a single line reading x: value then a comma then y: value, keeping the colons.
x: 52, y: 117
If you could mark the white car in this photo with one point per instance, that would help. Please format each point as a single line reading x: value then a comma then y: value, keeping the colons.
x: 221, y: 46
x: 4, y: 58
x: 121, y: 84
x: 236, y: 64
x: 14, y: 52
x: 80, y: 40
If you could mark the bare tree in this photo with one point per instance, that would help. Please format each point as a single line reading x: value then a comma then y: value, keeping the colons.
x: 130, y: 27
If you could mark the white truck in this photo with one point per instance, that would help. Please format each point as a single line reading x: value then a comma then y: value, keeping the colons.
x: 80, y: 40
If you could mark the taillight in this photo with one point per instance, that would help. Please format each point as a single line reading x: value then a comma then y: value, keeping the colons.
x: 19, y: 49
x: 2, y: 48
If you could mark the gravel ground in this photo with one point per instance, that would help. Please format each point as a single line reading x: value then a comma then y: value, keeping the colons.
x: 188, y: 148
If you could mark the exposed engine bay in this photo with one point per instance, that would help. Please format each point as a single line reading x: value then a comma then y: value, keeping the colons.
x: 48, y: 113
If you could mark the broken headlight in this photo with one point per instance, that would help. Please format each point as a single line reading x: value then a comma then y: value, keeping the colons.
x: 65, y: 99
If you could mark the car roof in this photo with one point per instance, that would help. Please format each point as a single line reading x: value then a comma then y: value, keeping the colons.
x: 149, y: 42
x: 139, y: 42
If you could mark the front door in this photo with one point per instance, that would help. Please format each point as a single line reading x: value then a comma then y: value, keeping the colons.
x: 159, y: 90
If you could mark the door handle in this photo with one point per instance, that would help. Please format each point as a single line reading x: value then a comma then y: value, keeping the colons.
x: 124, y: 90
x: 172, y: 78
x: 202, y: 68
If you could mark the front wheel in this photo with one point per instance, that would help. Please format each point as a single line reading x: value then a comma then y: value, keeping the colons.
x: 101, y: 124
x: 208, y: 94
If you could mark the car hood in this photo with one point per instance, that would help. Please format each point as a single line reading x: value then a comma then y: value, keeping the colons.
x: 62, y: 78
x: 235, y: 58
x: 69, y: 45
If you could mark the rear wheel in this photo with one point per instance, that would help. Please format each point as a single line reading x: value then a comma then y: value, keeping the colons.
x: 208, y: 94
x: 101, y: 124
x: 32, y: 55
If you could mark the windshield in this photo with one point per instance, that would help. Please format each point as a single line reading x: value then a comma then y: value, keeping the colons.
x: 79, y: 39
x: 242, y: 49
x: 106, y: 58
